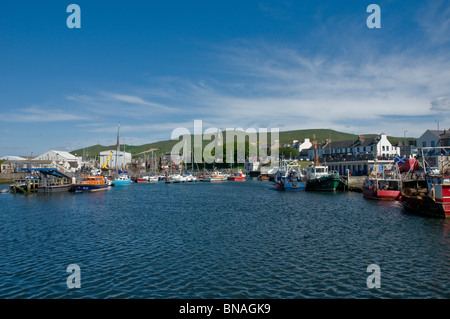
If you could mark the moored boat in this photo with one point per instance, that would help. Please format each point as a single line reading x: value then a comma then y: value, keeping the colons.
x: 289, y: 177
x: 218, y: 177
x: 382, y: 189
x: 384, y: 184
x: 318, y: 178
x: 122, y: 180
x: 141, y: 180
x: 90, y: 184
x: 237, y: 176
x: 429, y: 192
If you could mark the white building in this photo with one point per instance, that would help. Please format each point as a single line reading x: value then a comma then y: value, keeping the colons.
x: 121, y: 158
x: 385, y: 148
x: 362, y: 147
x: 428, y: 139
x: 63, y: 159
x: 303, y: 146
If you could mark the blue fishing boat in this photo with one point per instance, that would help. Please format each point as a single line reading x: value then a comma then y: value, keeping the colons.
x: 122, y: 180
x: 290, y: 177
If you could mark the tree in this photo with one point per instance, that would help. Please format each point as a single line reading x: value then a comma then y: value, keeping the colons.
x: 288, y: 152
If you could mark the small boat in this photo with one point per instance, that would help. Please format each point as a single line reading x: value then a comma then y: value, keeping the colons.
x: 383, y: 184
x: 218, y: 177
x: 177, y: 178
x: 191, y: 178
x: 122, y: 180
x: 290, y: 177
x: 264, y: 177
x: 382, y: 189
x: 153, y: 179
x: 318, y: 178
x: 90, y: 184
x: 238, y: 177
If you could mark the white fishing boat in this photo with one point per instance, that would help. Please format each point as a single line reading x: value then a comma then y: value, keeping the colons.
x: 217, y: 176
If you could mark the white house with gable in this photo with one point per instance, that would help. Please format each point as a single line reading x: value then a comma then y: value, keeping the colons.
x: 385, y: 148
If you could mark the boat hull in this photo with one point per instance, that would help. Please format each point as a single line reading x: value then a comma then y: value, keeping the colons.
x: 324, y: 184
x: 290, y: 186
x: 425, y: 205
x: 122, y: 182
x: 381, y: 194
x: 77, y: 188
x: 54, y: 188
x: 237, y: 178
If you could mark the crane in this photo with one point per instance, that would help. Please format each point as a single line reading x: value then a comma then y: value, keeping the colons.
x: 105, y: 166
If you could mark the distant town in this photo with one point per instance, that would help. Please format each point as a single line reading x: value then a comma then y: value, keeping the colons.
x: 357, y: 156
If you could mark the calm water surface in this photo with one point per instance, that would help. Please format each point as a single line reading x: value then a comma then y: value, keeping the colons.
x: 218, y: 240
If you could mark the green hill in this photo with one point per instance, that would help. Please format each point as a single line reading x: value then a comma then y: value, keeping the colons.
x: 320, y: 135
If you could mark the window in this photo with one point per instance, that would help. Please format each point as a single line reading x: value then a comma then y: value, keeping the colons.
x: 433, y: 143
x: 424, y: 144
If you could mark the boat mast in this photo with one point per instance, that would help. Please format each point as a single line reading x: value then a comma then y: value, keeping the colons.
x: 117, y: 146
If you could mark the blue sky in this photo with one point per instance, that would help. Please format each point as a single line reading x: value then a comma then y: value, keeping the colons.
x: 155, y: 66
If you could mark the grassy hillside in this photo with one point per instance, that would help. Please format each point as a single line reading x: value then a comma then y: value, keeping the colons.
x: 285, y: 137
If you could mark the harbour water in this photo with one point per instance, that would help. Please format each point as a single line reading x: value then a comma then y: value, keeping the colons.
x: 218, y: 240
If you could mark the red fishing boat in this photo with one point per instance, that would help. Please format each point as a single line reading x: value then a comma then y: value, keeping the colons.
x: 382, y: 189
x: 429, y: 193
x: 238, y: 177
x: 384, y: 184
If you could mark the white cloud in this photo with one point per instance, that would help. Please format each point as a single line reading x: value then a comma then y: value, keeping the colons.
x: 136, y: 100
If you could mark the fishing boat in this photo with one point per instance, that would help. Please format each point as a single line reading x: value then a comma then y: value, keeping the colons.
x: 289, y: 177
x: 429, y: 192
x: 384, y: 184
x: 91, y: 183
x: 217, y: 176
x: 122, y: 180
x: 177, y: 178
x: 319, y: 178
x: 143, y: 179
x: 237, y: 176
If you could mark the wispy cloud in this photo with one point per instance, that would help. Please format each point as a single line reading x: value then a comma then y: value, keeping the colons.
x: 434, y: 18
x: 136, y: 100
x: 40, y: 114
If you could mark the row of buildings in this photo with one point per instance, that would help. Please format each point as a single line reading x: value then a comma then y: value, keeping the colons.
x: 360, y: 155
x: 63, y: 161
x: 357, y: 155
